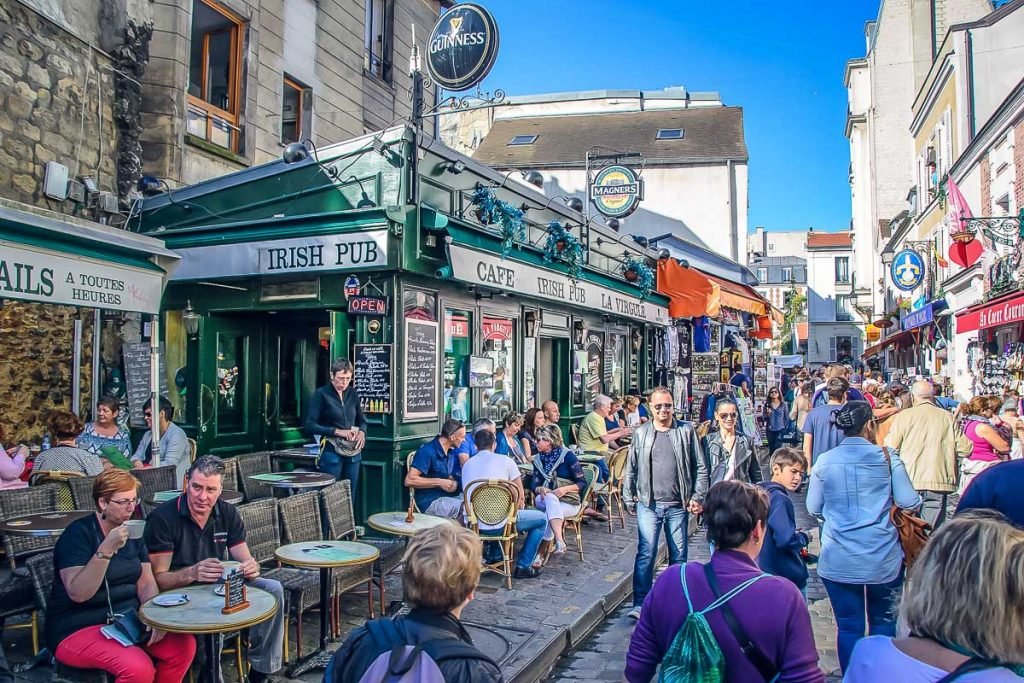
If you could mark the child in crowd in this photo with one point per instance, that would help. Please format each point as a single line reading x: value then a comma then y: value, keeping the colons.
x: 780, y: 554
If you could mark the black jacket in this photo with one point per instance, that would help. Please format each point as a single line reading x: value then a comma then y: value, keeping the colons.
x: 748, y: 468
x: 690, y: 465
x: 360, y: 650
x: 327, y: 412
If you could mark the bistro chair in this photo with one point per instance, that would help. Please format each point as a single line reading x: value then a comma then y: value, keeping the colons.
x: 19, y: 596
x: 336, y: 505
x: 62, y: 480
x: 412, y: 491
x: 21, y: 502
x: 611, y: 490
x: 249, y: 465
x: 574, y: 429
x: 81, y: 492
x: 230, y: 479
x: 154, y: 479
x: 494, y: 502
x: 576, y: 521
x: 300, y: 521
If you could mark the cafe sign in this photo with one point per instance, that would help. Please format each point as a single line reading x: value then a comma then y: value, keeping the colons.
x: 617, y: 191
x: 488, y: 270
x: 322, y: 253
x: 54, y: 278
x: 462, y: 47
x: 921, y: 316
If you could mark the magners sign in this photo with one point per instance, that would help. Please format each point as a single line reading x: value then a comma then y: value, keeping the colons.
x: 462, y: 47
x: 617, y: 191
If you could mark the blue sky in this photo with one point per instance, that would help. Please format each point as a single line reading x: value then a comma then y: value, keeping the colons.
x: 782, y: 62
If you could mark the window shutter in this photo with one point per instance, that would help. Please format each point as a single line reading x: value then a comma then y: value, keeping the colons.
x: 947, y: 143
x: 832, y: 349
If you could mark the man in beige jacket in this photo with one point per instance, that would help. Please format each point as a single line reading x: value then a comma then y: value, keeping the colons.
x: 928, y: 444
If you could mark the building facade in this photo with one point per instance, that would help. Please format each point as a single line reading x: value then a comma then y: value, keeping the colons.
x: 834, y: 332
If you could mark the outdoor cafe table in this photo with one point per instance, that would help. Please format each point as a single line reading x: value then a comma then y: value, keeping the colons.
x: 295, y: 480
x: 227, y: 495
x: 202, y: 616
x: 590, y: 456
x: 394, y: 522
x: 325, y: 555
x: 42, y: 523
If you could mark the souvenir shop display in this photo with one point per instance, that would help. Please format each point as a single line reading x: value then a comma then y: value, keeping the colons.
x: 995, y: 370
x: 760, y: 378
x: 704, y: 376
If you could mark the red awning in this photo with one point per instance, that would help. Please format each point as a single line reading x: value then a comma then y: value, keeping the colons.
x: 1004, y: 310
x: 888, y: 341
x: 740, y: 297
x: 691, y: 294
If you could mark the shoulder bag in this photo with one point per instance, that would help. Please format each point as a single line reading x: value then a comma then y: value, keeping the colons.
x: 757, y: 657
x: 912, y: 530
x: 555, y: 482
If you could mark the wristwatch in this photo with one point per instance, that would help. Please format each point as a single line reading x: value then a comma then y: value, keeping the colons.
x: 102, y: 556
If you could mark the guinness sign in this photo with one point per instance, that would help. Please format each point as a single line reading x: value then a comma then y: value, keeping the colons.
x: 462, y: 47
x: 617, y: 191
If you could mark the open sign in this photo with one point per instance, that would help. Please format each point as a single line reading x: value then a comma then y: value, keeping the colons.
x: 368, y: 305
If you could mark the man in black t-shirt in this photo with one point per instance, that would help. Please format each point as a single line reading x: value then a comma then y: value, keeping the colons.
x: 188, y: 537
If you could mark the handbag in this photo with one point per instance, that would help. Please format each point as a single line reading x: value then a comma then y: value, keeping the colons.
x: 129, y: 629
x: 912, y: 531
x: 346, y: 448
x: 551, y: 477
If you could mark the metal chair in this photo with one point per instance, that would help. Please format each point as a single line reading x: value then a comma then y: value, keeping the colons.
x: 412, y: 491
x: 263, y: 536
x: 251, y: 464
x: 611, y: 490
x: 81, y: 492
x: 300, y: 521
x: 494, y: 502
x: 153, y: 479
x: 62, y: 480
x: 575, y: 522
x: 336, y: 505
x: 30, y: 501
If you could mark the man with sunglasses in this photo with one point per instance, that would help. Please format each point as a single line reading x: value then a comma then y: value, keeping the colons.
x: 666, y: 478
x: 174, y: 447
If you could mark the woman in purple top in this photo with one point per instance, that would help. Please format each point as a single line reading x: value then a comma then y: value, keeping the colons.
x: 771, y: 610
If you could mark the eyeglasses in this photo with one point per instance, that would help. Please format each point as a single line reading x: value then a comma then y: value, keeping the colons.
x: 127, y: 502
x: 727, y: 416
x: 663, y: 406
x: 148, y: 416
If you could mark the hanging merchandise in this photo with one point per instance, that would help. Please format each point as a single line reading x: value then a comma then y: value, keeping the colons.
x: 747, y: 417
x: 701, y: 334
x: 684, y: 344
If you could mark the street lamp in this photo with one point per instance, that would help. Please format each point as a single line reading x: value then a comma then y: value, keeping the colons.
x: 190, y: 320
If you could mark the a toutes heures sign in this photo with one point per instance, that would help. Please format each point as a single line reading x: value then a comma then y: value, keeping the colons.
x: 488, y: 270
x: 617, y: 191
x: 462, y: 47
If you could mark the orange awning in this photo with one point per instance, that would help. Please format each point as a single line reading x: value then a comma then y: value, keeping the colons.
x: 691, y: 294
x: 740, y: 297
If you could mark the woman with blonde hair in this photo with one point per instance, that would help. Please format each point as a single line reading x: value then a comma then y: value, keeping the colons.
x: 963, y: 606
x: 989, y: 445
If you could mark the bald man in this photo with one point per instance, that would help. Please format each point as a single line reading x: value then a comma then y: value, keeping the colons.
x: 928, y: 444
x: 550, y: 410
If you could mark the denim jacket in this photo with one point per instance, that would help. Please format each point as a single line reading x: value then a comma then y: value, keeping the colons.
x: 853, y: 488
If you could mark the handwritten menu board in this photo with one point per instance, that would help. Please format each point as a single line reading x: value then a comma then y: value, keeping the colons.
x: 136, y: 371
x: 234, y: 593
x: 595, y: 366
x: 420, y: 366
x: 373, y: 373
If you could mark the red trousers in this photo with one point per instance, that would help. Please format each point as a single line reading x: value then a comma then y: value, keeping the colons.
x: 165, y: 662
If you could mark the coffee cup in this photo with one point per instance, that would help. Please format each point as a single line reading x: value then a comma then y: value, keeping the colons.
x: 229, y: 567
x: 135, y: 527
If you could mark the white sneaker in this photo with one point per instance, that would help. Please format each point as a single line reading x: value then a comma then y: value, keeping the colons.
x: 634, y: 614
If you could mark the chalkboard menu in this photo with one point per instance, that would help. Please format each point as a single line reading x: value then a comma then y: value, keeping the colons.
x: 234, y: 593
x: 595, y: 366
x: 136, y: 370
x: 421, y: 363
x: 373, y: 375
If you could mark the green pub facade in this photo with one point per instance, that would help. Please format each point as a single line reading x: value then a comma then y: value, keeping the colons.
x: 369, y: 251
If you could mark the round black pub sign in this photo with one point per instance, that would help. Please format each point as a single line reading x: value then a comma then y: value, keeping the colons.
x: 462, y: 47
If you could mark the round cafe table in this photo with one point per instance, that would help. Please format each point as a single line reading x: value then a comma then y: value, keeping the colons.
x: 394, y: 522
x: 227, y: 495
x: 295, y: 480
x: 590, y: 456
x: 43, y: 523
x: 325, y: 556
x: 202, y: 616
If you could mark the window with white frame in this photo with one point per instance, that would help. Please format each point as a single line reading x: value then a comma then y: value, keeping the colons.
x: 378, y: 38
x: 843, y: 311
x: 787, y: 274
x: 762, y: 275
x: 842, y: 269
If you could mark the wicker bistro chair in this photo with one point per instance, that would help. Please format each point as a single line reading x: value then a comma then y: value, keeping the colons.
x: 249, y: 465
x: 412, y: 491
x: 30, y: 501
x: 263, y: 536
x: 81, y: 492
x: 575, y: 522
x: 230, y: 478
x: 574, y: 429
x: 611, y: 490
x: 20, y: 595
x: 153, y: 479
x: 62, y: 480
x: 336, y: 505
x: 494, y: 502
x: 299, y: 516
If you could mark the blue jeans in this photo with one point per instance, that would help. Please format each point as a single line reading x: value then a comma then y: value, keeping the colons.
x: 850, y: 601
x: 342, y: 468
x: 649, y: 521
x: 532, y: 522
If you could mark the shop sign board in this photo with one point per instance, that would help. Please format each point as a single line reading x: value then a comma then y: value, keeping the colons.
x: 368, y: 305
x: 921, y: 316
x: 617, y: 191
x: 420, y: 367
x: 320, y: 253
x: 54, y: 278
x: 1003, y: 313
x: 488, y: 270
x: 907, y: 270
x: 462, y: 47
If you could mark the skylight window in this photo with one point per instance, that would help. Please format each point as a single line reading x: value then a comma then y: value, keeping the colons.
x: 670, y: 134
x: 522, y: 140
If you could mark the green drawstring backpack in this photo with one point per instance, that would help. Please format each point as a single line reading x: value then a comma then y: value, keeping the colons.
x: 694, y: 656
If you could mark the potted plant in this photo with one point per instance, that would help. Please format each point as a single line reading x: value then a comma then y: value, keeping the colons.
x: 636, y: 271
x: 562, y: 245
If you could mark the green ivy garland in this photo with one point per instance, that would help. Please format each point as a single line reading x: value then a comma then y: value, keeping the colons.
x: 637, y: 272
x: 508, y: 217
x: 562, y: 245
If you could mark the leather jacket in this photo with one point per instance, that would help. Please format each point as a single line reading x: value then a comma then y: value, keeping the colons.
x: 690, y: 465
x: 747, y: 469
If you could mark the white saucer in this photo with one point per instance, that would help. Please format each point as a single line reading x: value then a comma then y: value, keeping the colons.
x: 170, y: 599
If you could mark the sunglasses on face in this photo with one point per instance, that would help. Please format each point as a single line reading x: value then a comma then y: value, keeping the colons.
x: 663, y: 406
x: 727, y: 416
